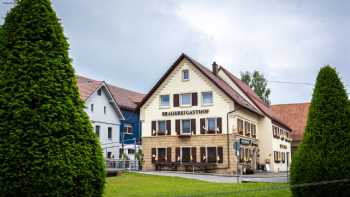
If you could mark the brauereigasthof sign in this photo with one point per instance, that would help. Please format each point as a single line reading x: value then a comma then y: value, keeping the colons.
x: 185, y: 112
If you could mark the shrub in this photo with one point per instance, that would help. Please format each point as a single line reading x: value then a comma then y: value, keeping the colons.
x: 324, y: 154
x: 47, y: 146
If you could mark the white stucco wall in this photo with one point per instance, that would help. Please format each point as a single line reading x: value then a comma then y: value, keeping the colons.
x: 267, y: 143
x: 174, y: 84
x: 110, y: 119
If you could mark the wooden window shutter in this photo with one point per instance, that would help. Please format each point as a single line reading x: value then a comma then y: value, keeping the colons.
x: 177, y: 154
x: 154, y: 128
x: 176, y: 100
x: 202, y: 125
x: 219, y: 124
x: 168, y: 127
x: 193, y: 126
x: 177, y: 127
x: 194, y: 99
x: 203, y: 155
x: 194, y: 154
x: 220, y: 155
x: 168, y: 154
x: 154, y: 155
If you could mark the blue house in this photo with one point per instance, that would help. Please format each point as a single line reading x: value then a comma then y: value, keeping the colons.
x: 130, y: 131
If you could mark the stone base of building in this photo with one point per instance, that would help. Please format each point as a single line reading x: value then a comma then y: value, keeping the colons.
x: 227, y: 164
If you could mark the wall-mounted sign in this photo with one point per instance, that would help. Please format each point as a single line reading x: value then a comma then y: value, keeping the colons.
x: 283, y: 146
x: 185, y: 112
x: 244, y: 141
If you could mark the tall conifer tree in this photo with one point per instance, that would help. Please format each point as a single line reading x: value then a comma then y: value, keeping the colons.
x: 47, y: 146
x: 324, y: 154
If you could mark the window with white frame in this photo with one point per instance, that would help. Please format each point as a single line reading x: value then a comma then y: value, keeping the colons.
x: 186, y: 154
x: 128, y: 128
x: 164, y: 100
x: 207, y: 98
x: 240, y: 126
x: 185, y: 75
x: 110, y: 133
x: 97, y: 130
x: 104, y: 109
x: 186, y: 126
x: 92, y: 107
x: 161, y: 127
x: 186, y: 99
x: 99, y: 92
x: 211, y: 122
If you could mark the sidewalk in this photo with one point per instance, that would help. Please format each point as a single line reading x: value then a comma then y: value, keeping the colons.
x: 218, y: 178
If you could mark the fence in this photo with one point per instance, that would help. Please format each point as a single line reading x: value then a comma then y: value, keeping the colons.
x: 122, y: 165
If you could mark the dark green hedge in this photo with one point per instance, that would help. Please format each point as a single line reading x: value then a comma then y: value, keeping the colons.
x: 47, y: 146
x: 324, y: 154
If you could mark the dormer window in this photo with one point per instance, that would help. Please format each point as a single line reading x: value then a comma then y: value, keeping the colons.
x: 185, y: 75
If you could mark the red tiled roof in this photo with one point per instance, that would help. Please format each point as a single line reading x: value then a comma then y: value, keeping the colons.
x: 295, y: 115
x: 266, y: 109
x: 221, y: 84
x: 126, y: 99
x: 87, y: 86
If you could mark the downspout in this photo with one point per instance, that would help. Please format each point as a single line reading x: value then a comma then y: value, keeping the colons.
x: 228, y: 138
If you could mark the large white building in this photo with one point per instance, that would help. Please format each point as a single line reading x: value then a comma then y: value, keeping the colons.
x: 193, y: 118
x: 104, y: 114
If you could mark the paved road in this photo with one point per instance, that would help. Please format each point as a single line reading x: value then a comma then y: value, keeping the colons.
x: 277, y: 178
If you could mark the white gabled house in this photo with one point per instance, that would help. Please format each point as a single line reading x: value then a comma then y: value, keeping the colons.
x: 104, y: 114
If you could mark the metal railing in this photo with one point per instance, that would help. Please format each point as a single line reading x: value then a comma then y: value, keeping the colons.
x: 128, y: 165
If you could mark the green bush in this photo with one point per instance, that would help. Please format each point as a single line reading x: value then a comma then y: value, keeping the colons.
x: 324, y: 154
x: 47, y: 146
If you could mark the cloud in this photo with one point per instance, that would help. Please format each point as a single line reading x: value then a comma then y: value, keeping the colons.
x: 132, y: 43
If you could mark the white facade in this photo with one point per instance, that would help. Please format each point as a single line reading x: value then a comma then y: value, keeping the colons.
x: 105, y: 117
x: 267, y: 142
x: 262, y: 147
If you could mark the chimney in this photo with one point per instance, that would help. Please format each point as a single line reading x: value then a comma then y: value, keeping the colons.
x: 215, y: 68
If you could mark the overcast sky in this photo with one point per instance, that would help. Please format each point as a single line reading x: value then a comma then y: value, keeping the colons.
x: 132, y: 43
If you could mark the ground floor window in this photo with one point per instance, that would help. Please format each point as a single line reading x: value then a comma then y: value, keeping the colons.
x: 279, y: 157
x: 161, y: 154
x: 245, y: 154
x: 186, y: 154
x: 131, y: 151
x: 211, y: 154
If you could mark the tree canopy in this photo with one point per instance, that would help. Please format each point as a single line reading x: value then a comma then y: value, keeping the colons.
x: 324, y: 153
x: 47, y: 145
x: 258, y: 83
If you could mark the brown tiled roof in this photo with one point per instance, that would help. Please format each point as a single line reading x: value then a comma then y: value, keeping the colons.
x: 126, y: 99
x: 221, y: 84
x: 87, y: 86
x: 266, y: 109
x: 295, y: 115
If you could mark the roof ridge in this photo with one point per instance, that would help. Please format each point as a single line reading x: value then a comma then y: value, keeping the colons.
x: 252, y: 91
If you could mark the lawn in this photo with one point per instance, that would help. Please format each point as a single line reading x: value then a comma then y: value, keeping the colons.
x: 134, y: 184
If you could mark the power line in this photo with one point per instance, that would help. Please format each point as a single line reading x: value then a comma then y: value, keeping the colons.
x: 299, y: 83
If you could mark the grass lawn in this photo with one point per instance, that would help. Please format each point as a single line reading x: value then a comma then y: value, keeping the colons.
x: 134, y: 184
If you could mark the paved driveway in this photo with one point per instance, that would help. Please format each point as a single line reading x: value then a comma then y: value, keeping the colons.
x: 272, y: 178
